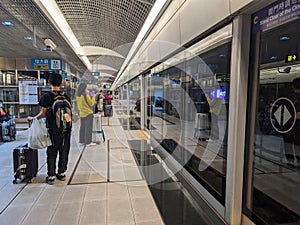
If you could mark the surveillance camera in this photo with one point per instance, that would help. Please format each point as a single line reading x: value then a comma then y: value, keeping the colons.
x: 49, y: 44
x: 48, y: 49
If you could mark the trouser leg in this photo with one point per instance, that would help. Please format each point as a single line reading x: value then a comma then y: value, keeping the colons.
x: 52, y: 153
x: 82, y: 130
x: 288, y: 147
x: 64, y: 153
x: 214, y: 127
x: 88, y: 128
x: 51, y: 160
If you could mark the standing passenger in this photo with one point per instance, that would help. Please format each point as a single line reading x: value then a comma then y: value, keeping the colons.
x: 292, y: 138
x: 85, y: 106
x: 60, y: 138
x: 215, y: 106
x: 4, y: 116
x: 99, y: 102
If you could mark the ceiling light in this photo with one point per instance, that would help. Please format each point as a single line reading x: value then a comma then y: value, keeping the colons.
x: 284, y: 38
x: 56, y: 14
x: 222, y: 55
x: 7, y: 24
x: 28, y: 38
x: 157, y: 7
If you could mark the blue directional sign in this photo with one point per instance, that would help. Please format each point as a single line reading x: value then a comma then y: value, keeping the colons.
x: 46, y: 64
x: 276, y: 13
x: 64, y: 75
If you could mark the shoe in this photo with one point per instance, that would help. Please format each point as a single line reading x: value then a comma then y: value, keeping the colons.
x: 50, y: 180
x: 61, y: 176
x: 91, y: 144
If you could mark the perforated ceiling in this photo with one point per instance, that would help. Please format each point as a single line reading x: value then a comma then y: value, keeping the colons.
x: 105, y: 23
x: 101, y: 23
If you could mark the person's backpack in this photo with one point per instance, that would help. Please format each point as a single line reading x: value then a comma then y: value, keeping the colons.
x: 62, y: 112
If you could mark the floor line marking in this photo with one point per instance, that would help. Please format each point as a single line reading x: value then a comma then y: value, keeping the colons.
x: 142, y: 134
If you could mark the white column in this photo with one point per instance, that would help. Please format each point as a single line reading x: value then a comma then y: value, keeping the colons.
x: 17, y: 76
x: 39, y: 77
x: 122, y: 94
x: 142, y: 106
x: 128, y: 100
x: 237, y: 119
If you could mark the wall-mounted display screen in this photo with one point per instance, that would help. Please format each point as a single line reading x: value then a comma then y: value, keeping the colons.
x: 218, y: 93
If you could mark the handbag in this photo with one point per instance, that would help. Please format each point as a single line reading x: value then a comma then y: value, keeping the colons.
x: 38, y: 136
x: 95, y: 108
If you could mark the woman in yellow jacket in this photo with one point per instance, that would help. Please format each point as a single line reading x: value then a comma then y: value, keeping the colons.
x: 85, y: 106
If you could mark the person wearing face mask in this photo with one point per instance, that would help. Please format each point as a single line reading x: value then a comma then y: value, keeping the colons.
x: 4, y: 116
x: 7, y: 125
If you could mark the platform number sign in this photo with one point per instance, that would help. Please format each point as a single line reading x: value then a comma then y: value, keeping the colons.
x: 55, y: 64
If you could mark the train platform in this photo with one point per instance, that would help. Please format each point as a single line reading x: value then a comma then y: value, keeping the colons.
x: 106, y: 184
x: 100, y: 188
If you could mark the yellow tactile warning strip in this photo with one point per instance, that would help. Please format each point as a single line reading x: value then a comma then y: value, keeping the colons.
x: 142, y: 134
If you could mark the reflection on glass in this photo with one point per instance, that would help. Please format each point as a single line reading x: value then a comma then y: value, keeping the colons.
x: 188, y: 106
x: 135, y: 105
x: 274, y: 194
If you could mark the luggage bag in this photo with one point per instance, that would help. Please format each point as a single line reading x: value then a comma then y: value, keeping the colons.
x: 202, y: 126
x: 97, y: 129
x: 25, y: 164
x: 108, y: 110
x: 8, y: 130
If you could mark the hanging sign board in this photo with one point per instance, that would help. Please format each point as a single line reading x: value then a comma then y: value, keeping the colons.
x: 275, y: 14
x: 46, y: 64
x: 64, y: 75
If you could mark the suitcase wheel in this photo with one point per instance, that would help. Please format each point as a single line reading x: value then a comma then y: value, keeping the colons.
x: 28, y: 181
x: 17, y: 181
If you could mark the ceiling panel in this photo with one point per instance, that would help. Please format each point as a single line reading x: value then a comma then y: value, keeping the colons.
x: 25, y: 15
x: 105, y: 23
x: 112, y: 24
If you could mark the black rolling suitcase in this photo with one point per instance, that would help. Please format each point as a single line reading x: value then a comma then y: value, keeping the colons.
x: 25, y: 164
x: 108, y: 110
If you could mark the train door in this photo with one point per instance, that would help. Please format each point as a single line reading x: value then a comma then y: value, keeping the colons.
x: 272, y: 193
